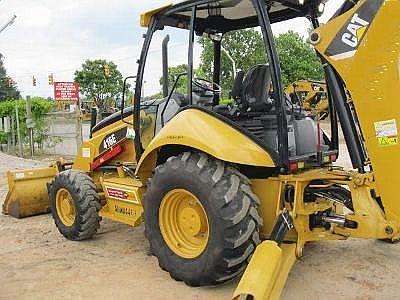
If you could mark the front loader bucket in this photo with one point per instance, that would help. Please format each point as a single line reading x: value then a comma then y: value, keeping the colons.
x: 266, y: 274
x: 27, y: 192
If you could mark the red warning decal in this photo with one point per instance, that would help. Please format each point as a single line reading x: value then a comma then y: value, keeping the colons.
x: 115, y: 193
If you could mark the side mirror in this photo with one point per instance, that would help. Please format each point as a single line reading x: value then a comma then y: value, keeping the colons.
x: 123, y: 98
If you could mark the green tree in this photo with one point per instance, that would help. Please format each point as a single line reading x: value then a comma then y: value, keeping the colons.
x: 101, y: 81
x: 298, y: 59
x: 181, y: 86
x: 173, y: 73
x: 246, y: 47
x: 40, y: 107
x: 7, y: 91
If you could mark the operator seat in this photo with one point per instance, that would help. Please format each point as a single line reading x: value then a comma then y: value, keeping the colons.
x: 235, y: 94
x: 237, y: 85
x: 255, y: 91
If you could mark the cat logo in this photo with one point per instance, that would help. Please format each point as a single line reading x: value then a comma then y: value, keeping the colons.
x: 347, y: 41
x: 355, y: 31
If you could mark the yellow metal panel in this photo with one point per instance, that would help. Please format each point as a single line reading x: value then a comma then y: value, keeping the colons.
x: 90, y: 149
x: 372, y: 75
x: 288, y: 260
x: 267, y: 271
x: 123, y: 195
x: 268, y: 191
x: 112, y: 127
x: 122, y: 211
x: 145, y: 18
x: 369, y: 217
x: 85, y: 156
x: 199, y: 130
x: 27, y: 195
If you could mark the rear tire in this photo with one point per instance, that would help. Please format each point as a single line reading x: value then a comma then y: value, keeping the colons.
x: 390, y: 241
x: 84, y: 201
x: 231, y: 209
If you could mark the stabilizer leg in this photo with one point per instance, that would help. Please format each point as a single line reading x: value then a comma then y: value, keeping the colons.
x: 266, y: 274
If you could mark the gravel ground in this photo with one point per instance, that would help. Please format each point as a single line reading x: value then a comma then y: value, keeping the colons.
x: 36, y: 262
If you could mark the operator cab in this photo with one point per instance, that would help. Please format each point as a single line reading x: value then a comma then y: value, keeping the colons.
x: 250, y: 99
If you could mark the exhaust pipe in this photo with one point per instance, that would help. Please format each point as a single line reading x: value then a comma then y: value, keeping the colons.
x: 165, y: 66
x: 93, y: 119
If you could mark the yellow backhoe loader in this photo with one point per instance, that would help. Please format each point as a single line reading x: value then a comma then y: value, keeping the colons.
x: 311, y: 95
x: 226, y: 190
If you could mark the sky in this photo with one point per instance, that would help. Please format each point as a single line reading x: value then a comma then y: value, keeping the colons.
x: 56, y: 37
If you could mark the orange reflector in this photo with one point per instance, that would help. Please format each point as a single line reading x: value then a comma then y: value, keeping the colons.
x: 293, y: 167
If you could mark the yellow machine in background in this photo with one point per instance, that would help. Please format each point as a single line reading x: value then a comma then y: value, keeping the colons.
x: 226, y: 190
x: 311, y: 95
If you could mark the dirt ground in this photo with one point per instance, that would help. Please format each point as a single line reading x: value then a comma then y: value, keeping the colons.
x: 36, y: 262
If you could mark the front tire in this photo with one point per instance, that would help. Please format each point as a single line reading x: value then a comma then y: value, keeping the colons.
x: 194, y: 198
x: 75, y: 205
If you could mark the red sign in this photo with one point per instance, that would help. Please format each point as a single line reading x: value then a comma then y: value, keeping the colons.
x: 66, y: 91
x: 115, y: 193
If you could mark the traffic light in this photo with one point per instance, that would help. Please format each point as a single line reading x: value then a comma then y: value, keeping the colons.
x: 51, y: 79
x: 107, y: 70
x: 34, y: 81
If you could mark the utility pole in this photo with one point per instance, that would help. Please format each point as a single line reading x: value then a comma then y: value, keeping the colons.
x: 7, y: 129
x: 9, y: 23
x: 78, y: 126
x: 13, y: 142
x: 21, y: 152
x: 29, y: 124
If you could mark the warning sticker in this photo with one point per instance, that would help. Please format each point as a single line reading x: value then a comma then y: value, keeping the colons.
x: 19, y: 175
x: 86, y: 152
x: 386, y: 132
x: 117, y: 194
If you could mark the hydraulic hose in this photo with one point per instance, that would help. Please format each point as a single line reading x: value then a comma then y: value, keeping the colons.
x: 282, y: 226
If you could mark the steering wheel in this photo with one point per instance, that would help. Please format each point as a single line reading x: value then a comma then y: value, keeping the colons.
x: 207, y: 85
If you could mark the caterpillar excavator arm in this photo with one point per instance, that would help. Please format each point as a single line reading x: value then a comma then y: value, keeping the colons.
x: 356, y: 63
x: 352, y: 44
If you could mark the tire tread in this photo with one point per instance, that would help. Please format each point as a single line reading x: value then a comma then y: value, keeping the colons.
x: 239, y: 217
x: 87, y: 204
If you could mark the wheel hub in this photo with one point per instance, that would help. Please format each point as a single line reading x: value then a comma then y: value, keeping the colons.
x: 65, y: 207
x: 183, y: 223
x: 191, y: 221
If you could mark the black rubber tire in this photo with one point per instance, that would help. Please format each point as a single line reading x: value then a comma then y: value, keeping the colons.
x: 86, y: 201
x: 231, y: 208
x: 390, y: 241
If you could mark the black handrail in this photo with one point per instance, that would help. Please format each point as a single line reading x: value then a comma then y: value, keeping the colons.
x: 169, y: 97
x: 123, y: 99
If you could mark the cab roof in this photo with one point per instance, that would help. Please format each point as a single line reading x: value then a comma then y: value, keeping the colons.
x: 226, y: 15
